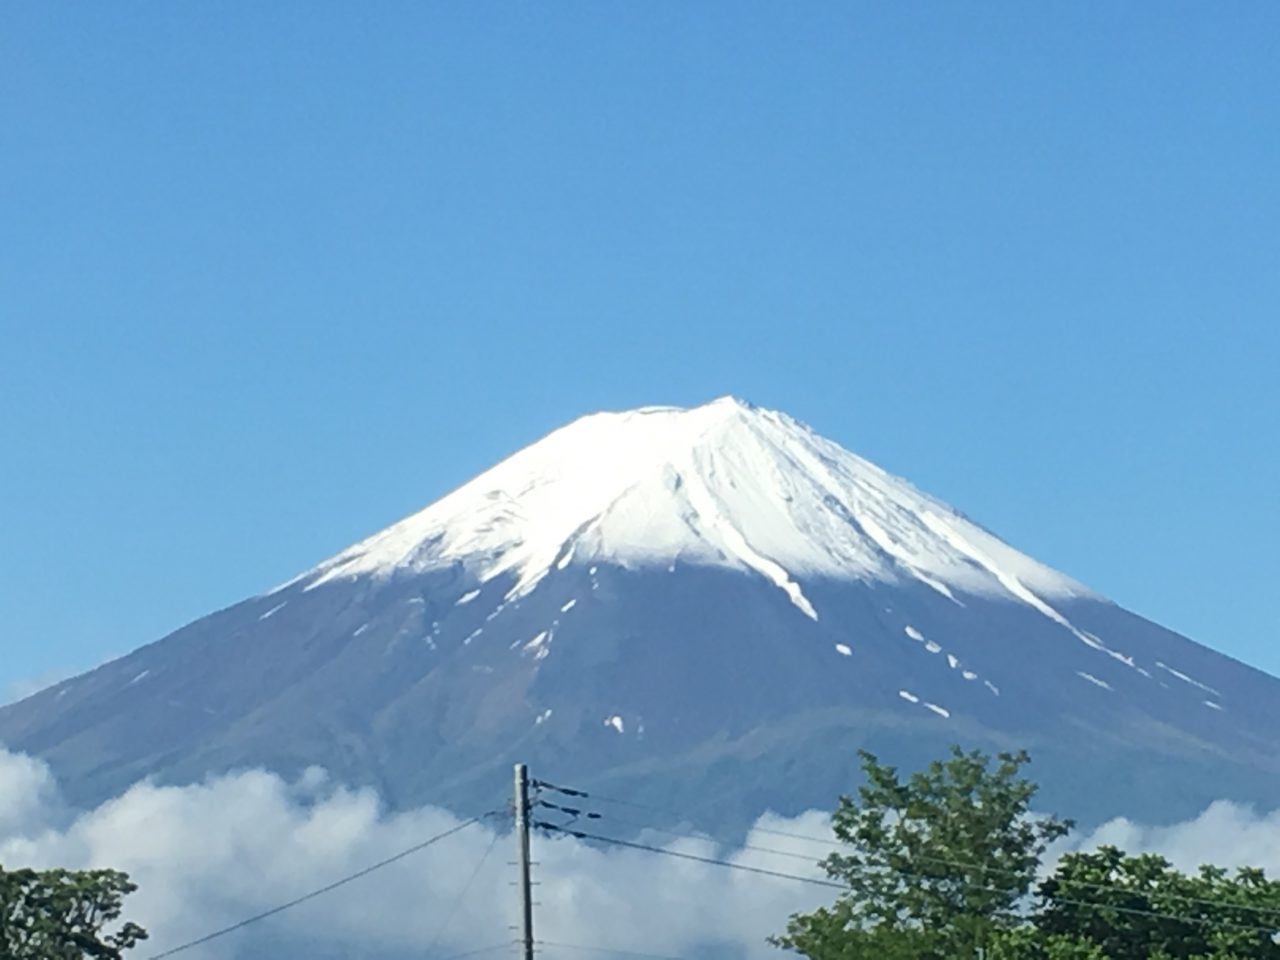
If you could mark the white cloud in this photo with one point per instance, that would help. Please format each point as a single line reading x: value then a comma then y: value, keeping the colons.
x: 1227, y: 834
x: 208, y: 855
x: 28, y: 796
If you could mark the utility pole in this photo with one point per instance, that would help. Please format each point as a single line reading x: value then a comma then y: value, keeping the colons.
x: 522, y: 840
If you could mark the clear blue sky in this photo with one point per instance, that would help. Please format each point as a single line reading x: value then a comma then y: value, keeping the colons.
x: 275, y: 274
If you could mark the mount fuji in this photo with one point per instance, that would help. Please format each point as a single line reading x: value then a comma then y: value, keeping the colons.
x: 709, y: 608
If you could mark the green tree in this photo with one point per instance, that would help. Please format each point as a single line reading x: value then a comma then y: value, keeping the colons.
x: 61, y: 915
x: 1028, y: 943
x: 1140, y: 907
x: 936, y: 864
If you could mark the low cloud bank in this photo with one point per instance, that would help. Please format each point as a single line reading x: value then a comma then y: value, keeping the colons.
x: 1227, y: 834
x: 209, y: 855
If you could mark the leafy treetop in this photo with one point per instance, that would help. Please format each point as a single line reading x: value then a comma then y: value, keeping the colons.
x: 60, y: 915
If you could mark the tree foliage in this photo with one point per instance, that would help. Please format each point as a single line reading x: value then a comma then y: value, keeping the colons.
x: 946, y: 862
x: 1028, y: 943
x: 61, y: 915
x: 939, y: 860
x: 1139, y: 907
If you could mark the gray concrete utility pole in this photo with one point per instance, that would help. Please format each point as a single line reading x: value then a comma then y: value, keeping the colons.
x: 522, y: 840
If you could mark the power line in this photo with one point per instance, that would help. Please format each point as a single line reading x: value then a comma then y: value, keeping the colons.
x: 478, y: 951
x: 1273, y: 912
x: 318, y: 892
x: 700, y: 835
x: 609, y: 950
x: 1265, y: 913
x: 453, y: 907
x: 691, y: 856
x: 1134, y: 911
x: 592, y: 795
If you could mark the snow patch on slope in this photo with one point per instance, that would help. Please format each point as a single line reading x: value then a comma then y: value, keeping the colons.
x: 1186, y: 679
x: 274, y: 609
x: 1094, y: 680
x: 991, y: 555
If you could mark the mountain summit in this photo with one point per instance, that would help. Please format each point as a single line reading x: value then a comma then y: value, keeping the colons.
x: 726, y: 484
x: 713, y: 606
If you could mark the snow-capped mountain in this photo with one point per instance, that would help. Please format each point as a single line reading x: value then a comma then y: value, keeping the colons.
x: 713, y: 606
x: 721, y: 485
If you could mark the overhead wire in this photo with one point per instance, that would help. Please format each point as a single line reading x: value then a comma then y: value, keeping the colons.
x: 1265, y: 912
x: 614, y: 951
x: 577, y: 812
x: 478, y: 951
x: 613, y: 841
x: 320, y: 891
x: 666, y: 812
x: 1133, y: 911
x: 699, y: 835
x: 462, y: 892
